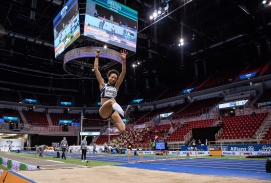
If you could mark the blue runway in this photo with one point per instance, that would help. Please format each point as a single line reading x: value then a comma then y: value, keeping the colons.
x: 252, y: 169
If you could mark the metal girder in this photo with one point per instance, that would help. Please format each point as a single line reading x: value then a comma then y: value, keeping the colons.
x: 26, y: 8
x: 50, y: 3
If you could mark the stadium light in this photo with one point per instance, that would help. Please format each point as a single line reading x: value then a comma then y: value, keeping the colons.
x: 162, y: 10
x: 154, y: 14
x: 181, y: 42
x: 159, y: 11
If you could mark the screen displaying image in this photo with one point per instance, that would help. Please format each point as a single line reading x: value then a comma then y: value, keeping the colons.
x: 75, y: 123
x: 165, y: 115
x: 66, y: 26
x: 137, y: 101
x: 66, y: 103
x: 31, y: 101
x: 160, y: 146
x: 64, y: 121
x: 10, y: 118
x: 111, y: 22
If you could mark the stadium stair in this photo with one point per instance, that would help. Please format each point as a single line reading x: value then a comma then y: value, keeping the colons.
x: 266, y: 66
x: 265, y: 128
x: 203, y: 83
x: 23, y: 117
x: 49, y: 119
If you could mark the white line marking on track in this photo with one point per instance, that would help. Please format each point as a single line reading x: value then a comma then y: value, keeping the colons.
x: 220, y: 167
x: 55, y: 161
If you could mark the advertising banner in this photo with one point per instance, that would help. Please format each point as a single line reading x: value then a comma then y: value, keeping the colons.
x: 252, y: 147
x: 14, y: 143
x: 139, y: 126
x: 5, y: 162
x: 31, y: 167
x: 233, y: 153
x: 15, y: 165
x: 112, y: 131
x: 199, y: 148
x: 184, y: 153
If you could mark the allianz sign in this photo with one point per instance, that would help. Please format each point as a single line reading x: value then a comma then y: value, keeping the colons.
x: 256, y: 147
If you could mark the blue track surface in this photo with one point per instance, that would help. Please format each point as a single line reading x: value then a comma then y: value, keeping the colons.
x: 253, y: 169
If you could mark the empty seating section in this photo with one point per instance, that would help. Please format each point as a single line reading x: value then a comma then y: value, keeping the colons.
x: 152, y: 114
x: 241, y: 127
x: 198, y: 107
x: 220, y: 79
x: 55, y: 117
x: 174, y: 91
x: 197, y: 83
x: 139, y: 114
x: 268, y: 70
x: 254, y: 67
x: 177, y: 108
x: 85, y: 101
x: 49, y: 100
x: 94, y: 119
x: 179, y: 134
x: 36, y: 118
x: 10, y: 96
x: 265, y: 97
x: 10, y: 113
x: 104, y: 139
x: 125, y: 99
x: 27, y: 95
x: 150, y: 95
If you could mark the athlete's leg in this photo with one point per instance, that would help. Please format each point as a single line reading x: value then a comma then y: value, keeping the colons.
x: 117, y: 121
x: 107, y: 108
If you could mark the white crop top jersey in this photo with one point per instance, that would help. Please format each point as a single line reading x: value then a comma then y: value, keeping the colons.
x: 109, y: 91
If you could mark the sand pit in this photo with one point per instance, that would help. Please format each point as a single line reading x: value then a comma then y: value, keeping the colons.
x: 116, y: 174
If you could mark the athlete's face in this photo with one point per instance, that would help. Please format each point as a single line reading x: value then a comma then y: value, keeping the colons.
x: 112, y: 78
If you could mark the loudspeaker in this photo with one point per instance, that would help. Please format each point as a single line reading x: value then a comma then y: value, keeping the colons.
x: 268, y: 165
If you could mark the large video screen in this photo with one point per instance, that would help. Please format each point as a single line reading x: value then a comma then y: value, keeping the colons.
x: 160, y: 145
x: 111, y: 22
x: 66, y: 26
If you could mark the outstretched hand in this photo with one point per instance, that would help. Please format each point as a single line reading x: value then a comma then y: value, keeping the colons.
x: 98, y: 53
x: 123, y: 54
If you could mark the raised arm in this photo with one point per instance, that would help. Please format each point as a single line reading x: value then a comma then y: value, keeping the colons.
x: 123, y: 54
x: 96, y: 70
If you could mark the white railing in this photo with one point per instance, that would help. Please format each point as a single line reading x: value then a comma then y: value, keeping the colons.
x: 264, y: 127
x: 218, y: 133
x: 188, y: 136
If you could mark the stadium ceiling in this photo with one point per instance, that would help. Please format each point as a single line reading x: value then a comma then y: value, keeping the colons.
x: 210, y: 29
